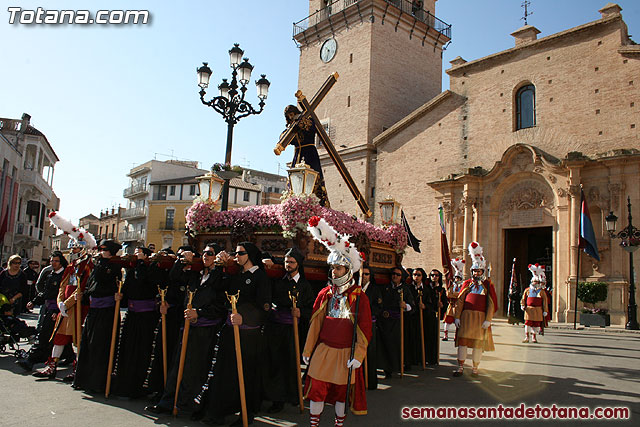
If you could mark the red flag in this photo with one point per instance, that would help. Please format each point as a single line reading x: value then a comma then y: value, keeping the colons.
x: 444, y: 250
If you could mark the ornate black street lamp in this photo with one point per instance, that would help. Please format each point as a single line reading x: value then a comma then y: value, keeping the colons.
x: 630, y: 237
x: 231, y: 103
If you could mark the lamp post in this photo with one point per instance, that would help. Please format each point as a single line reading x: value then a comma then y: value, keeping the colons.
x: 230, y: 103
x: 630, y: 237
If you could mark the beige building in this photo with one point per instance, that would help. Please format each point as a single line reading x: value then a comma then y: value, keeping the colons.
x: 26, y: 189
x: 110, y: 224
x: 504, y: 150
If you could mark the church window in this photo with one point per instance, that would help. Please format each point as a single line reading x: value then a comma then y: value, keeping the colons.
x: 526, y: 107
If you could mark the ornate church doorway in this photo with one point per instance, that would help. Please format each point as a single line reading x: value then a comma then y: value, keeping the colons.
x: 527, y: 246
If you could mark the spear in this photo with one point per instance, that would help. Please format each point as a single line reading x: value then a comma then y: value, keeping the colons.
x: 233, y: 299
x: 183, y: 354
x: 114, y: 331
x: 422, y: 329
x: 78, y: 314
x: 296, y: 342
x: 163, y: 293
x: 401, y: 334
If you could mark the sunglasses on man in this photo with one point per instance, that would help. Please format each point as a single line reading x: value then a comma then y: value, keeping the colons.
x: 396, y: 274
x: 208, y: 253
x: 239, y: 253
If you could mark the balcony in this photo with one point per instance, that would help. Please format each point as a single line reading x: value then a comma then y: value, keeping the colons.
x: 136, y: 190
x: 128, y: 236
x: 34, y: 179
x: 135, y: 213
x: 361, y: 8
x: 29, y: 231
x: 171, y: 225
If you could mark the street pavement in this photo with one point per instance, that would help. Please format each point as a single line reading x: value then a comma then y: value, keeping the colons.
x: 583, y: 368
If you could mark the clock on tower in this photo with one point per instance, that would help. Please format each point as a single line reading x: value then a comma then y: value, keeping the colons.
x: 388, y: 54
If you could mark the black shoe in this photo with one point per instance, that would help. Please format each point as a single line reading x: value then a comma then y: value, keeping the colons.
x: 276, y: 407
x: 457, y: 373
x: 445, y: 339
x: 215, y: 421
x: 25, y: 364
x: 197, y: 416
x: 157, y: 409
x: 238, y: 422
x: 67, y: 362
x: 388, y: 375
x: 69, y: 378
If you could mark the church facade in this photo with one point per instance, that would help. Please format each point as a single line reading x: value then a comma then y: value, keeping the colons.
x: 504, y: 150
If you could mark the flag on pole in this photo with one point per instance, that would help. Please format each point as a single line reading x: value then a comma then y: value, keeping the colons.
x: 587, y: 235
x: 413, y: 241
x: 444, y: 249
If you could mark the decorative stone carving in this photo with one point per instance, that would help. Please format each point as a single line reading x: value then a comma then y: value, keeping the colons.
x: 552, y: 179
x: 526, y: 195
x: 614, y: 194
x: 563, y: 192
x: 522, y: 160
x: 574, y: 190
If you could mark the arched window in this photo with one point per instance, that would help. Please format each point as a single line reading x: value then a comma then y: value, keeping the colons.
x: 526, y: 107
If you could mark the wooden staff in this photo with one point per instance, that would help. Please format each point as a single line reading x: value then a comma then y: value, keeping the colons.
x: 233, y: 299
x: 183, y: 354
x: 438, y: 329
x: 78, y: 315
x: 296, y: 343
x: 401, y: 334
x: 116, y: 318
x: 163, y: 293
x: 366, y: 374
x: 422, y: 329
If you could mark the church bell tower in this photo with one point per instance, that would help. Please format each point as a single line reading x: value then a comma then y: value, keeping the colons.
x: 388, y: 54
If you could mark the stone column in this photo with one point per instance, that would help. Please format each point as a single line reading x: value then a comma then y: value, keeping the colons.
x: 574, y: 221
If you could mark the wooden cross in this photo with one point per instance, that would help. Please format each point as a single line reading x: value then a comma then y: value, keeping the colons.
x: 308, y: 112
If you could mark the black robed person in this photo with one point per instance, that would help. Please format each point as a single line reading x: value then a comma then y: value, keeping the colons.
x: 207, y: 317
x: 136, y: 341
x: 430, y: 322
x: 47, y: 288
x: 374, y: 294
x: 389, y: 323
x: 175, y: 283
x: 280, y: 383
x: 102, y: 285
x: 253, y: 306
x: 305, y: 150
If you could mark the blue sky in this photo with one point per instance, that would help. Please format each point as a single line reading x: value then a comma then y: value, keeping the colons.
x: 110, y: 97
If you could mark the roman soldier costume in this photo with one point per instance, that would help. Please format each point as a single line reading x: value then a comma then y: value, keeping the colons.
x: 453, y: 290
x: 333, y: 348
x: 476, y: 305
x: 534, y: 303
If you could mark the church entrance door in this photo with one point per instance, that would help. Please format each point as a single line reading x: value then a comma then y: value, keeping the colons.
x: 527, y: 246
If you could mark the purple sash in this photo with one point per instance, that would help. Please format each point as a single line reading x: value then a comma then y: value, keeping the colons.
x: 102, y: 302
x: 283, y: 317
x: 373, y: 318
x: 243, y: 326
x: 203, y: 321
x: 142, y: 305
x: 392, y: 314
x: 51, y: 304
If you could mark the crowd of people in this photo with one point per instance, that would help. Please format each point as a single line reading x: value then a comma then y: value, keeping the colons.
x: 181, y: 338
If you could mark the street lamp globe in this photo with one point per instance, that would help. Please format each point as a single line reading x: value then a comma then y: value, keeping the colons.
x: 204, y: 74
x: 244, y: 71
x: 610, y: 222
x: 224, y: 89
x: 235, y: 55
x: 263, y: 87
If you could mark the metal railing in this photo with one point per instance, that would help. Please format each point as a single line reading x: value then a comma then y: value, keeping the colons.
x: 134, y: 213
x: 171, y: 225
x: 135, y: 189
x: 131, y: 235
x: 409, y: 7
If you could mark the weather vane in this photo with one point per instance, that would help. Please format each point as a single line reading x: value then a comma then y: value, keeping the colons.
x: 526, y: 5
